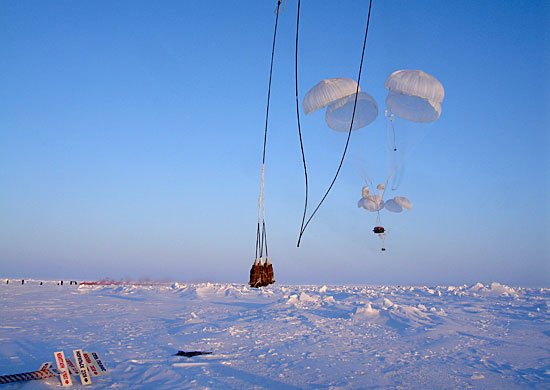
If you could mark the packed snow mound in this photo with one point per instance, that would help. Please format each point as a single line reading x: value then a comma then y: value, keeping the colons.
x: 367, y: 312
x: 303, y: 300
x: 495, y: 289
x: 477, y: 287
x: 440, y: 312
x: 410, y: 315
x: 400, y: 316
x: 206, y: 290
x: 502, y: 289
x: 386, y: 303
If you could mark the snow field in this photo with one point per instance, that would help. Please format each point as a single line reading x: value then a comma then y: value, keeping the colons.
x: 291, y: 337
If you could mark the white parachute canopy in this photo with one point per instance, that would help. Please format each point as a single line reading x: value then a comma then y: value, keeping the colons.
x: 381, y: 187
x: 403, y: 202
x: 365, y: 191
x: 393, y: 206
x: 339, y: 114
x: 327, y: 91
x: 414, y: 95
x: 371, y: 203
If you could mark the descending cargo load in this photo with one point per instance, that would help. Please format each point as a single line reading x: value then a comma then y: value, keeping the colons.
x: 261, y: 274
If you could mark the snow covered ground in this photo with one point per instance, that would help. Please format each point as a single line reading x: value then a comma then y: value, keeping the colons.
x: 283, y: 337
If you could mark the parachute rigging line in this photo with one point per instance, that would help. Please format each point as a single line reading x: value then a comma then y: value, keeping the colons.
x: 391, y: 118
x: 261, y: 237
x: 304, y: 225
x: 298, y: 120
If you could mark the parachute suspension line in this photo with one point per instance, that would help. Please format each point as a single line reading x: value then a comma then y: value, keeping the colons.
x: 392, y: 162
x: 299, y: 126
x: 261, y: 217
x: 349, y: 131
x: 392, y: 119
x: 261, y: 237
x: 257, y: 241
x: 378, y: 218
x: 264, y: 237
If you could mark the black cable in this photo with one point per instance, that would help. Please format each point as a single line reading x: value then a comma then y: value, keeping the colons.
x: 298, y: 120
x: 260, y: 239
x: 265, y: 239
x: 262, y: 243
x: 257, y: 240
x: 270, y: 75
x: 349, y: 132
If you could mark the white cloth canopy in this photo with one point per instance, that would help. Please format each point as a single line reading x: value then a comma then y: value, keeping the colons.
x: 338, y: 114
x: 371, y: 203
x: 414, y: 95
x: 403, y: 202
x: 415, y: 83
x: 413, y: 108
x: 327, y: 91
x: 393, y: 206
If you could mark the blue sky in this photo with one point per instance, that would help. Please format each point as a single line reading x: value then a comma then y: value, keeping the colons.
x: 130, y: 141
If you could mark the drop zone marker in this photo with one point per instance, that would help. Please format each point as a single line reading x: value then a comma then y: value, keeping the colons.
x: 82, y: 368
x: 87, y: 364
x: 63, y: 368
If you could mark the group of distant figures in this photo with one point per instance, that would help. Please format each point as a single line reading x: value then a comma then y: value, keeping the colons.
x: 71, y: 282
x: 261, y: 273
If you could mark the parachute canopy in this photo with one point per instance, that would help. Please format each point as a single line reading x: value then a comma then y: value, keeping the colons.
x: 393, y: 206
x: 413, y: 108
x: 327, y: 91
x: 339, y: 96
x: 397, y: 204
x: 414, y: 95
x: 338, y: 114
x: 415, y: 83
x: 403, y: 202
x: 371, y: 203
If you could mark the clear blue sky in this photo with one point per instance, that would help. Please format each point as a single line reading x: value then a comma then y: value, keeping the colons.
x: 130, y: 136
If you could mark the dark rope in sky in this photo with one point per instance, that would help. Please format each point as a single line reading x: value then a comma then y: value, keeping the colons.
x: 304, y: 226
x: 298, y: 120
x: 261, y: 239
